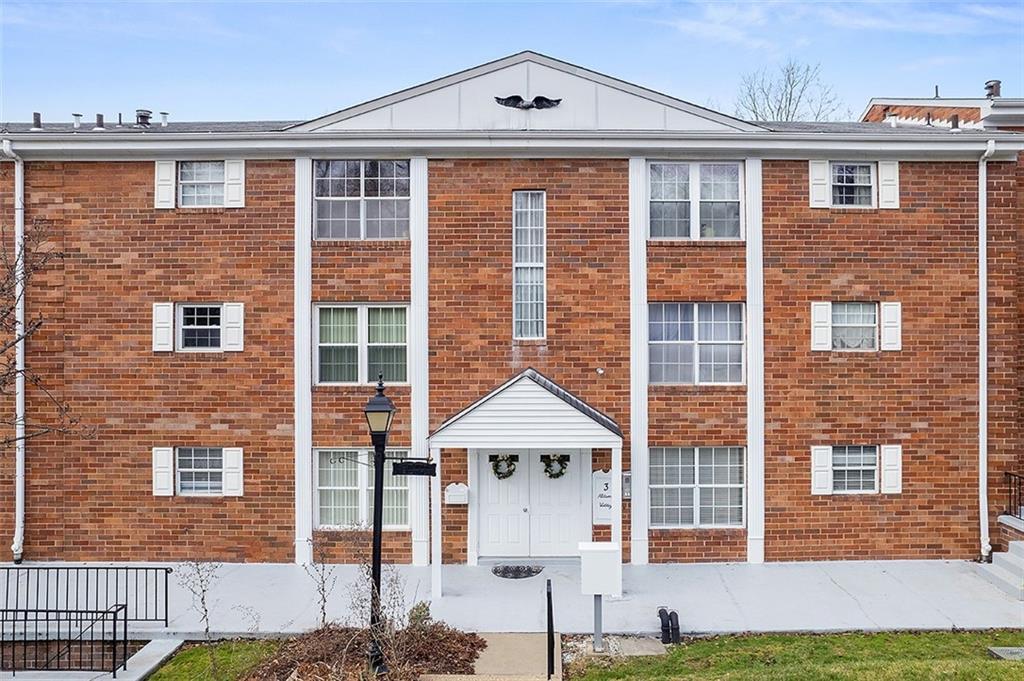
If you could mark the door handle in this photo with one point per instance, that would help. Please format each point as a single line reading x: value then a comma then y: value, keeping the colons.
x: 526, y: 510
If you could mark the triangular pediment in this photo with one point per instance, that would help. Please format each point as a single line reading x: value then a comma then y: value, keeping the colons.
x: 465, y: 101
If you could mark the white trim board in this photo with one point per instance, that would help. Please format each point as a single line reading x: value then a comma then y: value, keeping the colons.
x: 303, y: 364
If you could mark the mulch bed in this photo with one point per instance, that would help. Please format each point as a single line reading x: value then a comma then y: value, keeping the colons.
x: 335, y: 653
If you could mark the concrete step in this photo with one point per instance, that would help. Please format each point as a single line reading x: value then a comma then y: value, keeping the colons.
x: 1011, y: 562
x: 1017, y: 548
x: 1006, y: 581
x: 510, y: 657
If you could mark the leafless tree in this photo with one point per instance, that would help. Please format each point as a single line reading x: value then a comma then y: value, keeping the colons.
x: 197, y: 577
x: 322, y: 574
x: 792, y: 91
x: 38, y: 253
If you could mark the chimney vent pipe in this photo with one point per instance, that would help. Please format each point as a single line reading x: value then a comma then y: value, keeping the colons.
x: 99, y: 122
x: 142, y: 118
x: 163, y: 119
x: 954, y: 123
x: 37, y: 120
x: 78, y: 120
x: 993, y: 89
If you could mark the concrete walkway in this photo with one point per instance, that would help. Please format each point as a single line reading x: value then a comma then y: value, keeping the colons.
x: 710, y: 598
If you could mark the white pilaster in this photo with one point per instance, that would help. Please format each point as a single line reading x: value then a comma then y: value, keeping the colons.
x: 435, y: 527
x: 419, y: 325
x: 617, y: 496
x: 638, y: 394
x: 755, y: 363
x: 303, y: 360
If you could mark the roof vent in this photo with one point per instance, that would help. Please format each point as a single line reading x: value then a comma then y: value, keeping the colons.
x: 163, y: 119
x: 37, y: 120
x: 954, y: 123
x: 142, y: 117
x: 78, y: 120
x: 890, y: 117
x: 928, y: 119
x: 99, y: 123
x: 993, y: 88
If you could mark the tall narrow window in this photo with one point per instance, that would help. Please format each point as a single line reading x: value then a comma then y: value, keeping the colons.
x: 385, y: 348
x: 528, y: 245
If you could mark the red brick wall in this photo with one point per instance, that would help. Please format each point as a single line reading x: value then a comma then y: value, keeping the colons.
x: 923, y: 397
x: 91, y: 499
x: 471, y: 346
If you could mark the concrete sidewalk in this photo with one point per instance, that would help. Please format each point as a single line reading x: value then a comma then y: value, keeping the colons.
x: 710, y: 598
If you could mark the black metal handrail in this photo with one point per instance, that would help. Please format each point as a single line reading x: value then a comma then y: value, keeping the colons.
x: 1014, y: 498
x: 141, y: 590
x: 551, y: 633
x: 64, y: 640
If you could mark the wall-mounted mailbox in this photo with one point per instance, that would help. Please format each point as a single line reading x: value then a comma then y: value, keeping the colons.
x: 456, y: 494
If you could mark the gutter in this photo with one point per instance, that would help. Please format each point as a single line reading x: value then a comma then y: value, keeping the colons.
x: 17, y: 546
x: 986, y: 546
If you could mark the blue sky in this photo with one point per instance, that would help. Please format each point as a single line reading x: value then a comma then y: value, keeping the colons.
x: 293, y: 60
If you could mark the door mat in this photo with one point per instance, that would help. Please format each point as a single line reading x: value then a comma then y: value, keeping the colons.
x: 516, y: 571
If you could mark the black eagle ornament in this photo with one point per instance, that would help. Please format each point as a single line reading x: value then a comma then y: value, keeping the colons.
x: 538, y: 102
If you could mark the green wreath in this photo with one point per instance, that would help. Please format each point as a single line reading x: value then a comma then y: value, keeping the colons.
x: 503, y: 466
x: 555, y: 465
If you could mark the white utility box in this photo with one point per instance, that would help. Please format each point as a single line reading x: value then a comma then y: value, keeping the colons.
x: 456, y: 494
x: 600, y: 568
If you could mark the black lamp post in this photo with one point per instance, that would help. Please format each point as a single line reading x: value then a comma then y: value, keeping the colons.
x: 379, y: 413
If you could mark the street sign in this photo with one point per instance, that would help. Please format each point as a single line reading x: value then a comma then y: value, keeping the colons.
x: 426, y: 468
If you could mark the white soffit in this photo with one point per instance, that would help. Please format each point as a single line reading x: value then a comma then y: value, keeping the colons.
x: 465, y: 101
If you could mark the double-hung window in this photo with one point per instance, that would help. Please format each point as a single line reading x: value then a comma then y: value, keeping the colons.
x: 528, y: 264
x: 355, y: 343
x: 853, y: 184
x: 200, y: 183
x: 199, y: 327
x: 854, y: 469
x: 200, y: 470
x: 345, y: 490
x: 696, y: 486
x: 695, y: 343
x: 696, y: 200
x: 361, y: 199
x: 854, y: 326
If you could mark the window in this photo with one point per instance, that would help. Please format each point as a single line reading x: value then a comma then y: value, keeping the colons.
x: 345, y: 490
x: 854, y: 326
x: 711, y: 191
x: 361, y: 199
x: 853, y: 184
x: 696, y: 486
x: 200, y: 183
x: 200, y: 470
x: 356, y: 343
x: 695, y: 342
x: 199, y: 327
x: 854, y: 469
x: 528, y: 271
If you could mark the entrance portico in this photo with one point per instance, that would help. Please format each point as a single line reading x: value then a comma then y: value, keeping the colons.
x: 529, y: 421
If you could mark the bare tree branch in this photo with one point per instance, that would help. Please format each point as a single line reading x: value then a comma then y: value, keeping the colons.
x: 793, y: 91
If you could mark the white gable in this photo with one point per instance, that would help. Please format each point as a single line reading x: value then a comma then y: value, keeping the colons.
x: 465, y: 101
x: 523, y: 414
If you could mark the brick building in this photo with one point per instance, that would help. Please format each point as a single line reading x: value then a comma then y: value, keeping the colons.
x: 612, y: 314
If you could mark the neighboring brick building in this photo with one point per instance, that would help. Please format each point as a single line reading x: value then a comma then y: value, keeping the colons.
x: 708, y: 339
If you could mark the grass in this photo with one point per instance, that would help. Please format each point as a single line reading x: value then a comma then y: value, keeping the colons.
x: 233, y: 659
x: 882, y: 657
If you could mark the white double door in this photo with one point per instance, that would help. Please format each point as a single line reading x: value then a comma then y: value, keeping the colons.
x: 529, y: 513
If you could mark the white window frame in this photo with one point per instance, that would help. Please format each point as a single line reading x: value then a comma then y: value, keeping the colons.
x: 874, y: 185
x: 179, y: 184
x: 363, y: 337
x: 695, y: 200
x: 877, y: 327
x: 878, y: 467
x: 361, y: 200
x: 542, y: 266
x: 697, y: 343
x: 697, y: 525
x: 364, y: 468
x: 178, y: 469
x: 179, y: 327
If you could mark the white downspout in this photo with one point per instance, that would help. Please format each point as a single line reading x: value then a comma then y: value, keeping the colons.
x: 19, y: 351
x: 986, y: 546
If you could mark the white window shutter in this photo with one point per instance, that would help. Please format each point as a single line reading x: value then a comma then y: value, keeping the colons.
x: 888, y: 184
x: 232, y: 471
x: 821, y: 470
x: 821, y: 184
x: 233, y: 331
x: 892, y: 469
x: 163, y: 327
x: 892, y: 326
x: 165, y: 185
x: 234, y: 184
x: 821, y: 326
x: 163, y: 471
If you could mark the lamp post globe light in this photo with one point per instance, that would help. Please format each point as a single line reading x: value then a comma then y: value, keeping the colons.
x: 379, y: 411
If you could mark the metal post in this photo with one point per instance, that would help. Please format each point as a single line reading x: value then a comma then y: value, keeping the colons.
x: 598, y: 634
x: 379, y: 444
x: 551, y: 634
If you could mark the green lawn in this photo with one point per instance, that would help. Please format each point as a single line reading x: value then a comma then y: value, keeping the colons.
x: 232, y: 659
x: 902, y: 656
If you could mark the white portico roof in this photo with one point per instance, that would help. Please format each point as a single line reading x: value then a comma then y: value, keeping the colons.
x: 528, y: 411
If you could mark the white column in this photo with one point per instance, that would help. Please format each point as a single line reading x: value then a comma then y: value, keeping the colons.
x: 435, y: 527
x: 617, y: 496
x: 419, y: 355
x: 755, y: 363
x: 638, y: 395
x: 303, y: 360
